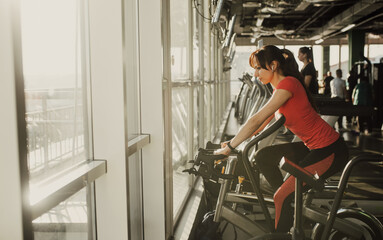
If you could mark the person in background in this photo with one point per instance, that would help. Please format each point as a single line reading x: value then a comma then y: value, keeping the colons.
x: 352, y: 80
x: 338, y: 90
x: 326, y: 82
x: 362, y: 96
x: 308, y: 71
x: 322, y: 150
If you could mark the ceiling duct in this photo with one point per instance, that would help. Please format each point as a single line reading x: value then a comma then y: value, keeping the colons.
x: 302, y: 6
x: 230, y: 31
x: 259, y: 22
x: 347, y: 17
x: 232, y: 46
x: 217, y: 12
x: 276, y: 10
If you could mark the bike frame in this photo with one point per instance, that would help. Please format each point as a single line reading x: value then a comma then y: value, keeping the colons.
x: 309, y: 211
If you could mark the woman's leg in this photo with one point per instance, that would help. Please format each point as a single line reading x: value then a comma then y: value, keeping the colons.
x: 325, y: 162
x: 268, y: 158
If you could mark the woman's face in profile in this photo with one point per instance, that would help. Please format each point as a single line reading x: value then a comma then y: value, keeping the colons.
x: 301, y: 56
x: 264, y: 75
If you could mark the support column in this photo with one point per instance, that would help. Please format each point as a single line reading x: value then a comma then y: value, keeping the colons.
x: 356, y: 40
x: 326, y: 59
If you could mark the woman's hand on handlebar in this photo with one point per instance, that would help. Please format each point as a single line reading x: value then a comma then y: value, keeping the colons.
x: 224, y: 144
x: 224, y: 151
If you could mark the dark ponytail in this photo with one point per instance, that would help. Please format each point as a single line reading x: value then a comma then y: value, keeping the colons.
x: 287, y: 64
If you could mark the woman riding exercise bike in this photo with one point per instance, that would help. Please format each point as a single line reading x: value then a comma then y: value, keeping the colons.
x: 322, y: 151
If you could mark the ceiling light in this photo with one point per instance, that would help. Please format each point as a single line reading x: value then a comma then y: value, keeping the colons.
x: 262, y: 15
x: 319, y: 41
x: 251, y: 4
x: 345, y: 29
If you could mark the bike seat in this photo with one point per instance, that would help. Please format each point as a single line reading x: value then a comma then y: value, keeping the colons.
x: 302, y: 174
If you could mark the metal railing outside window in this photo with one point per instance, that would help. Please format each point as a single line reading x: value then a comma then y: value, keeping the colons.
x: 55, y: 129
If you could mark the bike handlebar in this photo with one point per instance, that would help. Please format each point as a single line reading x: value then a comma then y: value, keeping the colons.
x: 265, y: 133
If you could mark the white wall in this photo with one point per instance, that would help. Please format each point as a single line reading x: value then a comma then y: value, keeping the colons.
x: 152, y: 118
x: 108, y: 117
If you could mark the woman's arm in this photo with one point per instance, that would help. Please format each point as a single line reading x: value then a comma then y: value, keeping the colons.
x: 259, y: 120
x: 263, y: 125
x: 345, y: 93
x: 353, y: 94
x: 308, y: 80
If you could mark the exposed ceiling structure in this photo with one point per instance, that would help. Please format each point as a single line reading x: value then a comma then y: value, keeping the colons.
x: 301, y: 20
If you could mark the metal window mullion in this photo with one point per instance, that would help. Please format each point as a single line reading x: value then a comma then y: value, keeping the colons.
x: 202, y: 79
x: 215, y: 79
x: 190, y: 132
x: 216, y: 74
x: 167, y: 106
x: 85, y: 54
x: 212, y: 86
x: 87, y: 122
x: 207, y: 77
x: 21, y: 122
x: 220, y: 75
x: 191, y: 89
x: 208, y: 111
x: 125, y: 55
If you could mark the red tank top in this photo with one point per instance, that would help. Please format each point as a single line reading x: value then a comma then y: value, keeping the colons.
x: 302, y: 119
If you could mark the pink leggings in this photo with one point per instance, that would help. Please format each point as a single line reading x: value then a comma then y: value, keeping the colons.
x: 324, y: 161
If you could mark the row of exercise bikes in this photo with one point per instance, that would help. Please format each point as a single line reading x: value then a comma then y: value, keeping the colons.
x: 234, y: 191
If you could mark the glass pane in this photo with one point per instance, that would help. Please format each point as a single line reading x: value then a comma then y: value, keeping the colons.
x: 55, y: 85
x: 135, y: 197
x: 207, y: 114
x: 318, y: 60
x: 344, y: 60
x: 240, y: 63
x: 180, y: 104
x: 179, y: 39
x: 66, y: 221
x: 206, y: 50
x: 196, y: 119
x: 213, y: 110
x: 212, y: 58
x: 334, y: 58
x: 240, y: 66
x: 55, y: 68
x: 376, y: 52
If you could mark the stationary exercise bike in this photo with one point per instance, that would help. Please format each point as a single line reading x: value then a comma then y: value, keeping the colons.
x: 338, y: 223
